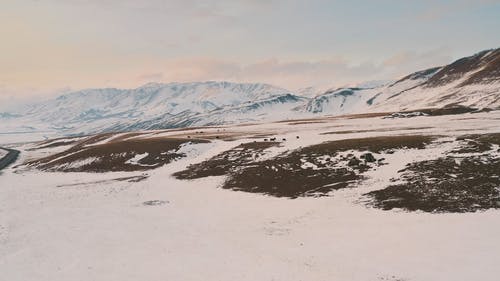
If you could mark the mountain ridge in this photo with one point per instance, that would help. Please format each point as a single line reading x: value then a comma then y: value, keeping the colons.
x: 470, y: 81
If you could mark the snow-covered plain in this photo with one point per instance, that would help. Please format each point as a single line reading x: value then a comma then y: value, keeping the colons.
x: 88, y: 226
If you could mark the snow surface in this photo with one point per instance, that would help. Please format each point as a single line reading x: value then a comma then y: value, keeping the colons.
x: 84, y: 226
x: 138, y: 157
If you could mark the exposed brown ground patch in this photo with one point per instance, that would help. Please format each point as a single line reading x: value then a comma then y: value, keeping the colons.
x: 448, y: 110
x: 64, y: 141
x: 113, y: 156
x: 365, y: 115
x: 375, y: 130
x: 376, y: 144
x: 306, y: 122
x: 55, y: 144
x: 286, y: 175
x: 226, y: 162
x: 455, y: 183
x: 223, y: 135
x: 123, y: 136
x: 478, y: 143
x: 317, y: 119
x: 326, y: 119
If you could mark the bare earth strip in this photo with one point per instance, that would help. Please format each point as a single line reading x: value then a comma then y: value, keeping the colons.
x: 9, y: 158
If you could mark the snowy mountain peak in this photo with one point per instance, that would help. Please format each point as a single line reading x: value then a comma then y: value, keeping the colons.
x: 472, y: 81
x: 158, y: 105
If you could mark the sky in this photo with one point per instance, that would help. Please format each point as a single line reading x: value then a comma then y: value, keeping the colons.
x: 55, y: 46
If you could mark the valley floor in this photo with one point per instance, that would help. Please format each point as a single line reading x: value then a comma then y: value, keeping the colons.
x: 149, y: 225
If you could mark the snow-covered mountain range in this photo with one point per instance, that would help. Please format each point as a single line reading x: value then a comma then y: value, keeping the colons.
x: 157, y: 105
x: 472, y: 81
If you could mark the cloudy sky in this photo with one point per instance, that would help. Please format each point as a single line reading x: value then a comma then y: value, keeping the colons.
x: 50, y: 46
